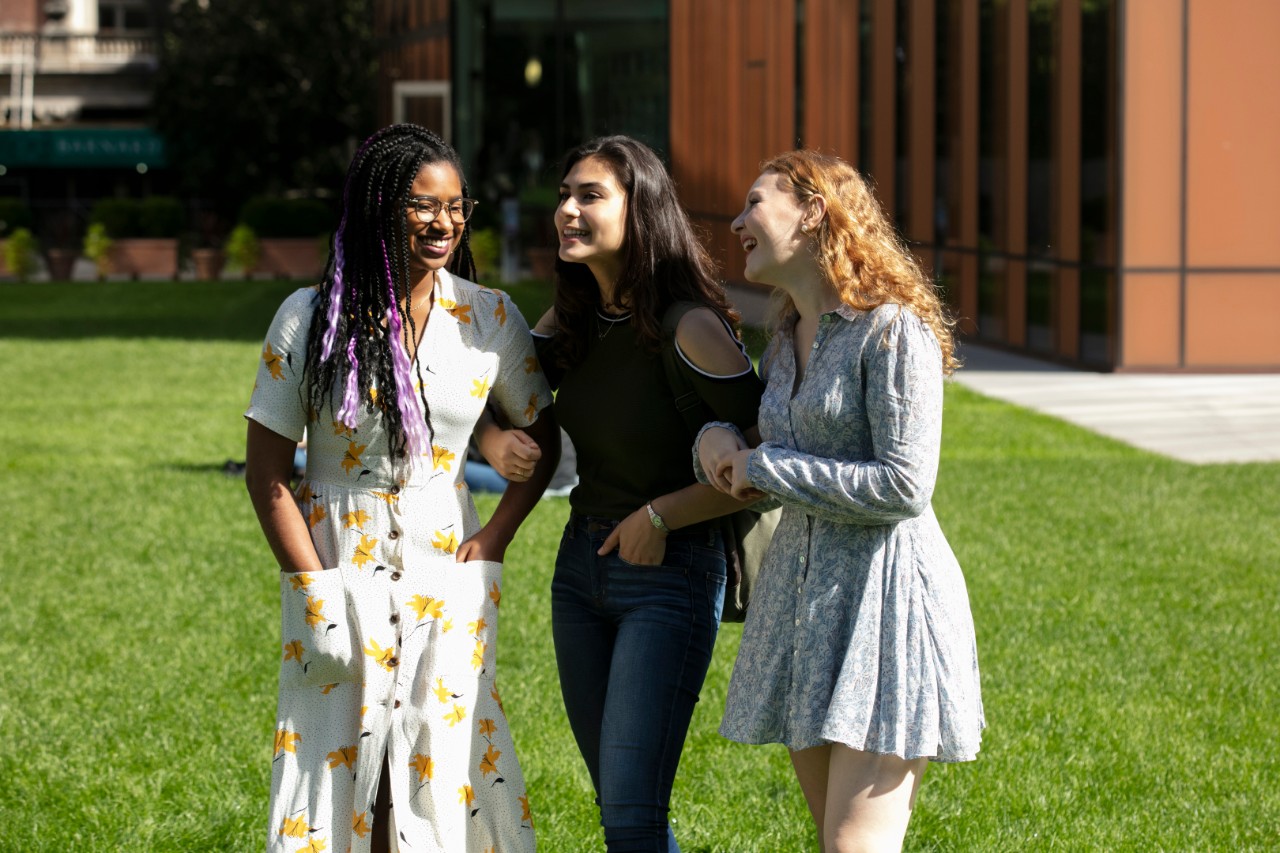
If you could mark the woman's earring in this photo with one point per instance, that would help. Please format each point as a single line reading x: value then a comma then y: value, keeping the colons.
x: 804, y: 229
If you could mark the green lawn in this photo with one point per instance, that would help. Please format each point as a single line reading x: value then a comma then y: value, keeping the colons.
x: 1128, y: 614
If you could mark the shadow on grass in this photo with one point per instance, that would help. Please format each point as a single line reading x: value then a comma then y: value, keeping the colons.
x: 186, y: 310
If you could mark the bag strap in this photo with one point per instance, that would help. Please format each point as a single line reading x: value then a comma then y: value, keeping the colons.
x: 688, y: 403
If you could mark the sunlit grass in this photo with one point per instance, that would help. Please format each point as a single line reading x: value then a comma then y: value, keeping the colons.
x: 1127, y: 610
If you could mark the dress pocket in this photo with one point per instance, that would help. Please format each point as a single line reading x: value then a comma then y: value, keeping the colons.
x: 316, y: 630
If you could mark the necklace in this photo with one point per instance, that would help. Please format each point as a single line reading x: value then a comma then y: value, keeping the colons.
x: 611, y: 320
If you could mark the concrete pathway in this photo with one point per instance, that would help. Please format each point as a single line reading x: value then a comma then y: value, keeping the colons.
x: 1198, y: 418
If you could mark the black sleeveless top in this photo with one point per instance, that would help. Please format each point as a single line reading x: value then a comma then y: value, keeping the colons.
x: 620, y: 413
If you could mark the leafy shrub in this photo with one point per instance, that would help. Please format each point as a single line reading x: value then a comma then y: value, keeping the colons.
x: 20, y: 253
x: 117, y: 216
x: 242, y: 248
x: 155, y: 216
x: 485, y: 248
x: 160, y: 216
x: 14, y: 214
x: 287, y: 217
x: 97, y: 246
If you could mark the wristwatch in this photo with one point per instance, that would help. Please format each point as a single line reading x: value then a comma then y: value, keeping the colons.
x: 655, y: 519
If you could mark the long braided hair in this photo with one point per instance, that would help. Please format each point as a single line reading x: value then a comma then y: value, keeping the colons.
x: 663, y: 261
x: 360, y: 335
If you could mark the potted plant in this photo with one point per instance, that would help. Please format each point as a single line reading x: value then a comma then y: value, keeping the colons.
x: 144, y: 234
x: 60, y: 233
x: 292, y: 235
x: 207, y: 256
x: 243, y: 250
x: 97, y: 248
x: 14, y: 214
x: 21, y: 253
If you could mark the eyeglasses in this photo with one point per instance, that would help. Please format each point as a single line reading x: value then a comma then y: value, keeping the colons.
x: 427, y: 208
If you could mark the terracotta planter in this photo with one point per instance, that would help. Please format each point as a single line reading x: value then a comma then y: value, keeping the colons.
x: 145, y: 257
x: 292, y: 257
x: 208, y: 263
x: 61, y: 262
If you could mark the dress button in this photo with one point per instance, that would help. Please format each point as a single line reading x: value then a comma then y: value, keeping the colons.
x: 797, y: 623
x: 395, y: 490
x: 815, y: 344
x: 393, y: 662
x: 395, y: 617
x: 395, y: 534
x: 395, y: 576
x: 397, y: 705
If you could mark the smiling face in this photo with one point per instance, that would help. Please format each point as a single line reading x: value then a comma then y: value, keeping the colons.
x: 591, y: 219
x: 431, y: 243
x: 769, y: 229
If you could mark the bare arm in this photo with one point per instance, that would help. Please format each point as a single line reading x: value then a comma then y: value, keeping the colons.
x: 268, y: 469
x: 519, y: 499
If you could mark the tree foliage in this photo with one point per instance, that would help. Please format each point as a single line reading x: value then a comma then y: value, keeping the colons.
x: 256, y: 97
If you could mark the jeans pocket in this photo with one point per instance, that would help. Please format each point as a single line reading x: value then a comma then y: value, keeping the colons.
x: 316, y: 630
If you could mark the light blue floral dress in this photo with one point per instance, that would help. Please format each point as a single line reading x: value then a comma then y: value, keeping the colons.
x: 859, y: 630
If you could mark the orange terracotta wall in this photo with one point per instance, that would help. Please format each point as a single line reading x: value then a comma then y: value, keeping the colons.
x: 1200, y: 285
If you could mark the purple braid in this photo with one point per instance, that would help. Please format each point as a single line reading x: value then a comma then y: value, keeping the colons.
x: 351, y: 397
x: 335, y: 292
x: 412, y: 417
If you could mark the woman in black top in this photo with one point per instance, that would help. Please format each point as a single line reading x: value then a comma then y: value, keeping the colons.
x: 640, y: 574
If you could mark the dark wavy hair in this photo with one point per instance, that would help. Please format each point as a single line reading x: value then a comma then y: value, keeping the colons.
x: 360, y: 335
x: 663, y: 261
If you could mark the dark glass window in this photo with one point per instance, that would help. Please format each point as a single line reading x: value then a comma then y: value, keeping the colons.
x: 1098, y: 181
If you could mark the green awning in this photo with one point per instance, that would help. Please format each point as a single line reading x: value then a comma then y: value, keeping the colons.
x: 81, y: 147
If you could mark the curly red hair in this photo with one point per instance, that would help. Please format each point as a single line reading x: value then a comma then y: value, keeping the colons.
x: 857, y: 247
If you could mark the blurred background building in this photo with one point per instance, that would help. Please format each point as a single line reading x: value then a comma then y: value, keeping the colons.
x: 1091, y: 181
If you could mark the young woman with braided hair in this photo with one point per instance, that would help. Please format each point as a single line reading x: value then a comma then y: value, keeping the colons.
x: 390, y: 586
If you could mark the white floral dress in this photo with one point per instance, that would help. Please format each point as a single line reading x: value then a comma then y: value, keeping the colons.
x: 391, y: 649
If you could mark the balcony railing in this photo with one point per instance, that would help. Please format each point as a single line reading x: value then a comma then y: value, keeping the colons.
x: 65, y: 52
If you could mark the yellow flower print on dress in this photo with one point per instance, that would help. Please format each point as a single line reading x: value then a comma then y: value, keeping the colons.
x: 474, y: 628
x: 467, y: 796
x: 272, y: 360
x: 351, y: 459
x: 444, y: 694
x: 364, y: 550
x: 461, y: 313
x: 441, y: 458
x: 531, y: 364
x: 286, y: 741
x: 495, y: 594
x: 487, y: 727
x: 293, y: 651
x: 318, y: 514
x: 480, y: 387
x: 477, y: 655
x: 385, y: 658
x: 356, y: 519
x: 339, y: 428
x: 489, y: 763
x: 304, y: 493
x: 493, y: 692
x: 501, y: 312
x: 446, y: 542
x: 294, y: 827
x: 359, y: 824
x: 317, y: 845
x: 531, y: 410
x: 446, y: 626
x: 456, y: 714
x: 390, y: 498
x: 343, y: 757
x: 300, y: 580
x: 425, y: 605
x: 425, y: 767
x: 327, y: 689
x: 315, y: 613
x: 525, y: 814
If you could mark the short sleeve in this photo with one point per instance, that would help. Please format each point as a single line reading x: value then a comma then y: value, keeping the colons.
x: 277, y: 401
x: 520, y: 389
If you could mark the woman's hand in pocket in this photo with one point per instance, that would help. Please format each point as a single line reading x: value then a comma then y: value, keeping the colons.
x: 485, y: 545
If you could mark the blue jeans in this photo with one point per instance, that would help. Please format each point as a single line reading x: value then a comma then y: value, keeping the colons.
x: 633, y: 644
